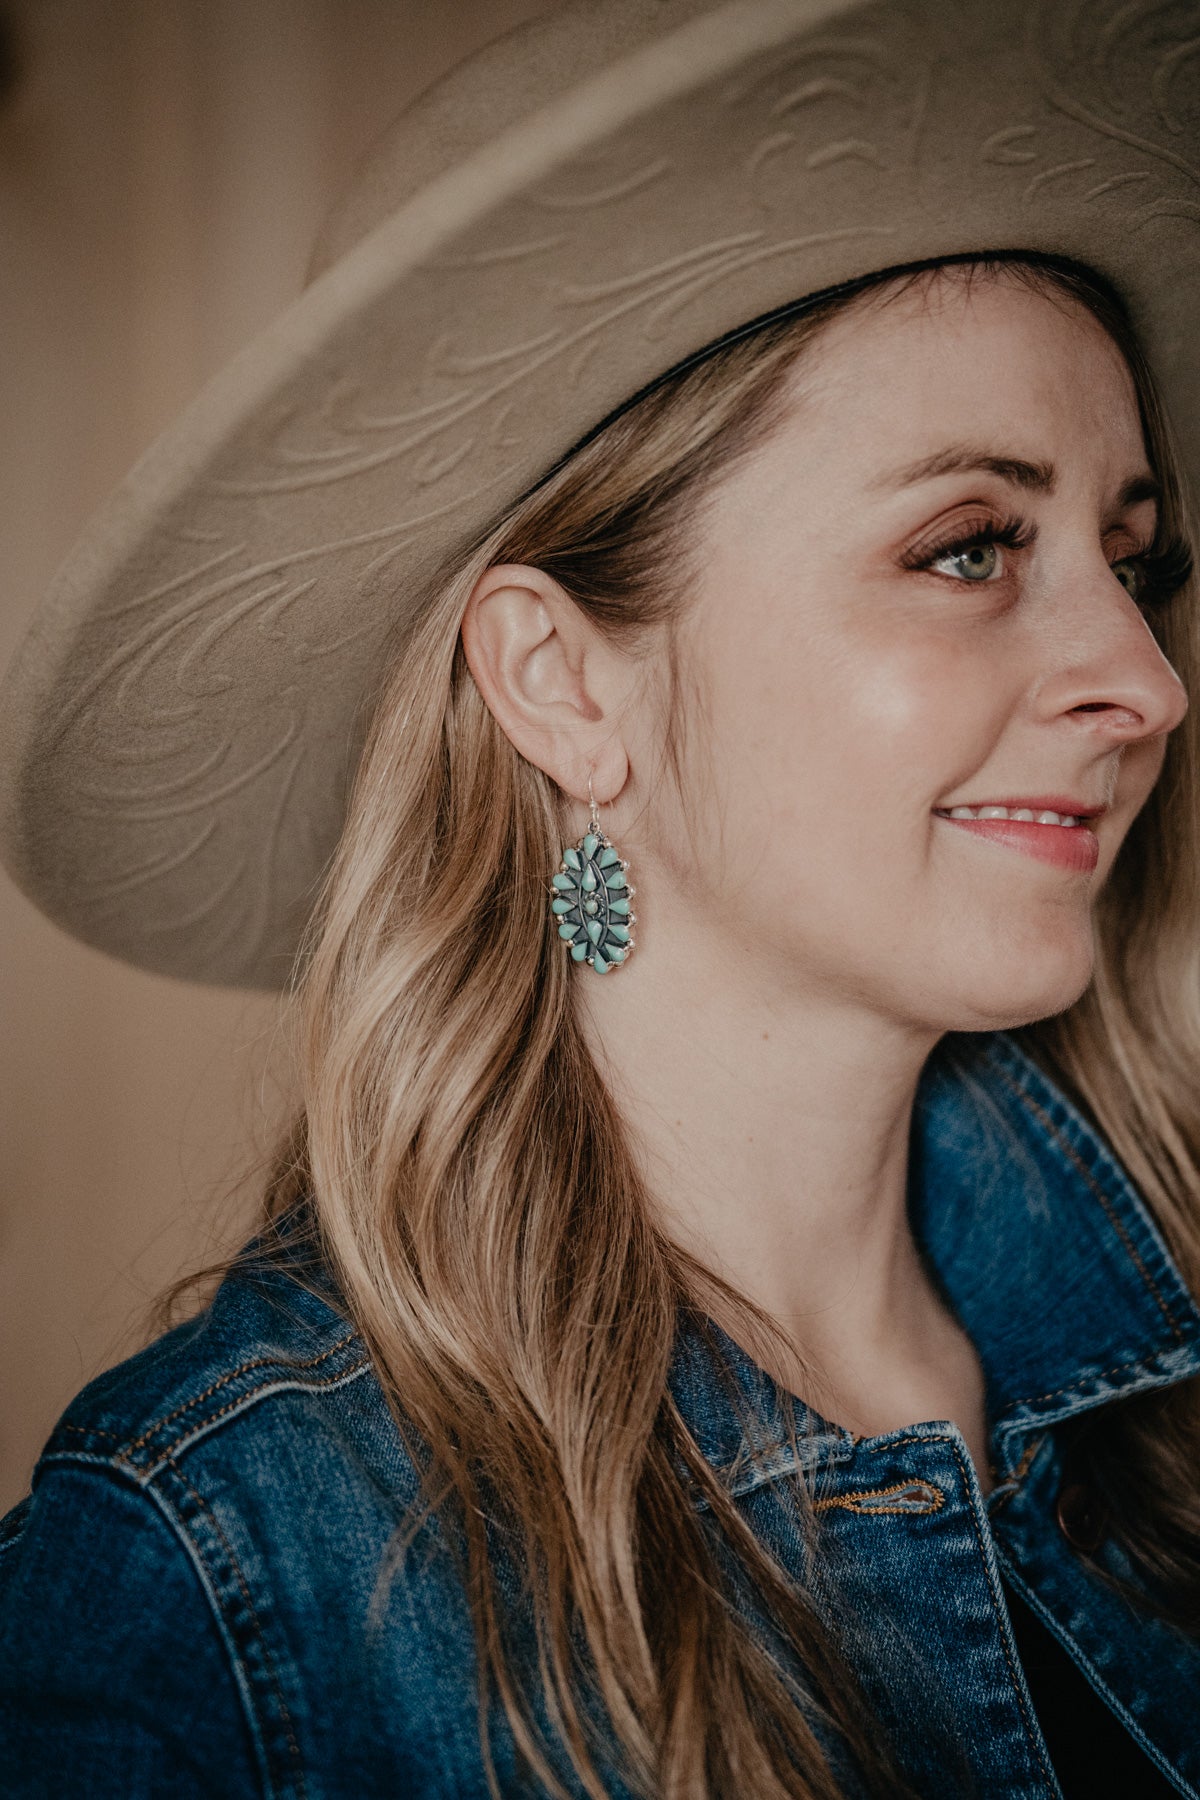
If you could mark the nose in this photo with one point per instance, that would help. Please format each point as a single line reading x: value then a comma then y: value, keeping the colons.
x: 1117, y: 682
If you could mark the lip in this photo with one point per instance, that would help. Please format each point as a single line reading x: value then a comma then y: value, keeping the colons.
x: 1073, y: 847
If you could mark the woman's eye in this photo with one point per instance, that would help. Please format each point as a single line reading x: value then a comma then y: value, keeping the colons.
x: 973, y: 562
x: 1131, y: 575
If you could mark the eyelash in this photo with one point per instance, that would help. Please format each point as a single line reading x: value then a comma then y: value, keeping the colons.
x: 1166, y: 565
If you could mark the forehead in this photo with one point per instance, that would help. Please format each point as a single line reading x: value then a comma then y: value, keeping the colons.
x: 900, y: 372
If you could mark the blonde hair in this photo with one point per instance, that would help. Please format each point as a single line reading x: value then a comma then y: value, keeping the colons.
x: 466, y: 1176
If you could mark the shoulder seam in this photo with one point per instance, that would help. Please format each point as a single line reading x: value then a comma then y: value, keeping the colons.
x: 143, y: 1458
x: 232, y: 1375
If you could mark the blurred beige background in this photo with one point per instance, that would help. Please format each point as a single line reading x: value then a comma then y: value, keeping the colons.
x: 163, y: 168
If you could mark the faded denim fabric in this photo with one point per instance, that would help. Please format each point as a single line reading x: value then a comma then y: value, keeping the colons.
x: 184, y: 1597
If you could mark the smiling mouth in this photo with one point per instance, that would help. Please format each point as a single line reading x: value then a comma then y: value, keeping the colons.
x: 1044, y: 809
x: 1065, y: 840
x: 1022, y: 815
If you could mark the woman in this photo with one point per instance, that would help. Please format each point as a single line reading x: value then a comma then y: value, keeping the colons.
x: 770, y: 1369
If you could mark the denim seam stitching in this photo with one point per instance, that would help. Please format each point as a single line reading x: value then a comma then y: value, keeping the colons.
x: 170, y: 1512
x: 246, y: 1399
x: 259, y: 1362
x: 1019, y: 1473
x: 1077, y: 1163
x: 1117, y: 1369
x: 170, y: 1515
x: 250, y: 1394
x: 294, y: 1747
x: 1031, y: 1729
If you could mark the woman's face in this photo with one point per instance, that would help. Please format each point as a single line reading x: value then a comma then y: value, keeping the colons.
x: 919, y: 595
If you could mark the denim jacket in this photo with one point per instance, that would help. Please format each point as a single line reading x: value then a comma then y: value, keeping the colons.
x: 185, y: 1595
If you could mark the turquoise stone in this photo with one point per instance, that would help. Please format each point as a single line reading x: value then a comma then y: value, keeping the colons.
x: 589, y: 904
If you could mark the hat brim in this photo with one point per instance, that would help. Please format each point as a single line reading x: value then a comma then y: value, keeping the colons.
x: 179, y: 728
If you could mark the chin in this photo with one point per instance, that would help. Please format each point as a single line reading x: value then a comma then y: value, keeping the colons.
x: 1037, y: 968
x: 1002, y: 1005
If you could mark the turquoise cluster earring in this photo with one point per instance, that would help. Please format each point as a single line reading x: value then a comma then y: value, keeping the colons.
x: 589, y: 900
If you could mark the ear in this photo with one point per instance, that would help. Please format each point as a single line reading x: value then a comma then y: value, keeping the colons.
x: 553, y: 683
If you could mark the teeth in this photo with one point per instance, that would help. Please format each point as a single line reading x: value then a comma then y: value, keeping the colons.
x: 1023, y: 813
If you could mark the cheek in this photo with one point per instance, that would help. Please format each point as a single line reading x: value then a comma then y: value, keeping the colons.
x: 883, y: 730
x: 1141, y: 770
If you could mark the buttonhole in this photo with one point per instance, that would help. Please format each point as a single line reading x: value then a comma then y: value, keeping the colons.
x: 902, y: 1497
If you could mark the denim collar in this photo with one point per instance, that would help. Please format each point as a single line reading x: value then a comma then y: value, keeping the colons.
x: 1044, y: 1248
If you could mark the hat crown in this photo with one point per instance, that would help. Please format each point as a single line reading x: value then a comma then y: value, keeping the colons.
x: 497, y: 86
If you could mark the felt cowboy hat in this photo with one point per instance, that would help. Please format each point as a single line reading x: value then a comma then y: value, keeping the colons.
x: 583, y: 205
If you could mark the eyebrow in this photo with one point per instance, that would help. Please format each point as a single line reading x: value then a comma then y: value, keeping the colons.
x: 1034, y: 477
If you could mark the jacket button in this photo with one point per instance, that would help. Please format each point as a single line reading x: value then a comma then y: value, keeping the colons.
x: 1081, y: 1518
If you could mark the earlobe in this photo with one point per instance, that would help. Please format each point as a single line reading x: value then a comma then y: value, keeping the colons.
x: 545, y: 674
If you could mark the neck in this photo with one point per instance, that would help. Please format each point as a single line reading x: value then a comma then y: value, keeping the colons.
x: 772, y: 1130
